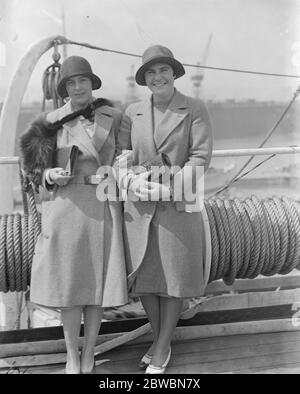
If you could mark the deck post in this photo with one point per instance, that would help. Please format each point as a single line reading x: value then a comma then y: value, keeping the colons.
x: 8, y: 311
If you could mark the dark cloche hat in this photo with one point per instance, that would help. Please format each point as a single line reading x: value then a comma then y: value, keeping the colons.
x: 72, y: 66
x: 158, y: 54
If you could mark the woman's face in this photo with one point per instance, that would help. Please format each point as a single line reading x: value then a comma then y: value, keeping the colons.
x: 79, y: 89
x: 160, y: 79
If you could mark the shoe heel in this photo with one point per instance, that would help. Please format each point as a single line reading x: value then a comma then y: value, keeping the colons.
x: 145, y: 361
x: 153, y: 369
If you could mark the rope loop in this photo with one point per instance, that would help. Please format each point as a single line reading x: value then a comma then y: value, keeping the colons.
x: 50, y: 80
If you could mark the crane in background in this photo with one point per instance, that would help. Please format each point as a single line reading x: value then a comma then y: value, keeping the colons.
x: 199, y: 76
x: 131, y: 95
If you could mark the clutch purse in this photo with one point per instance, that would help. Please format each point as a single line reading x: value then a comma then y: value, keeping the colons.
x: 70, y: 167
x: 161, y: 161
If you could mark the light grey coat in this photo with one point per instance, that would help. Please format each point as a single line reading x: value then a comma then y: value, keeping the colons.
x: 79, y: 256
x: 185, y: 135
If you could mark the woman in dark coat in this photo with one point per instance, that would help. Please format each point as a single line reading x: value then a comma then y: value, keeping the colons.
x: 78, y: 264
x: 164, y: 241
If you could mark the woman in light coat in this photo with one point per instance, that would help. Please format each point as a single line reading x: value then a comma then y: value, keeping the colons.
x: 164, y: 241
x: 78, y: 264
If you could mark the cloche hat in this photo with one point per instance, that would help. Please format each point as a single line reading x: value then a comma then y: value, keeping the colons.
x: 72, y: 66
x: 158, y: 54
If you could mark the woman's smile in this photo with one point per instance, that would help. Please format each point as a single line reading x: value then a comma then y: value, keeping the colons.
x: 160, y: 80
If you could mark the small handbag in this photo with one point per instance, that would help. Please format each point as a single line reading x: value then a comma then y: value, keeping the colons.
x: 70, y: 167
x: 158, y: 162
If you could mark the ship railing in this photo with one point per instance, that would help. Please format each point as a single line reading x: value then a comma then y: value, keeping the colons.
x: 216, y: 153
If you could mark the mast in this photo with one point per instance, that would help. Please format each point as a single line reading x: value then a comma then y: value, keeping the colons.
x: 64, y: 31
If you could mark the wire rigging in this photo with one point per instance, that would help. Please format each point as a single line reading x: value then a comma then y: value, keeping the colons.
x: 185, y: 64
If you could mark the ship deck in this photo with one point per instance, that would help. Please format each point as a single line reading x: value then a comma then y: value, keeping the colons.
x: 251, y: 327
x: 267, y: 353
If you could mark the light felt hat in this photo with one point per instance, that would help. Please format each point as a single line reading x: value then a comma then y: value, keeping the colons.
x: 72, y: 66
x: 158, y: 54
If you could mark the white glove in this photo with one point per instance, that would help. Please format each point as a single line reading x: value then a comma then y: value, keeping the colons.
x: 139, y: 186
x: 59, y: 176
x: 148, y: 191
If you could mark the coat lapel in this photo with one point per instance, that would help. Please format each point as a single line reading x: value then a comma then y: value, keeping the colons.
x: 76, y: 131
x: 174, y: 115
x: 144, y: 130
x: 103, y: 123
x: 79, y: 135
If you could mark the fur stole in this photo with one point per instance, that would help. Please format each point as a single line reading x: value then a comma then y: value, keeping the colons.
x: 38, y: 143
x: 38, y: 146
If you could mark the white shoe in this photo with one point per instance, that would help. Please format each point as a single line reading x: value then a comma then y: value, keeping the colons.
x: 153, y: 369
x: 145, y: 361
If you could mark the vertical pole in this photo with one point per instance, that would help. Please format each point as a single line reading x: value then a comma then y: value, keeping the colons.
x: 64, y: 31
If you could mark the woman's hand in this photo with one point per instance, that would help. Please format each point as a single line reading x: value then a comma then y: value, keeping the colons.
x: 59, y: 176
x: 159, y: 192
x: 139, y: 186
x: 149, y: 191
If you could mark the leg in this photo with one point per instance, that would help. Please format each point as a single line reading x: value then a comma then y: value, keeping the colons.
x: 71, y: 319
x: 170, y: 309
x: 151, y: 306
x: 92, y: 322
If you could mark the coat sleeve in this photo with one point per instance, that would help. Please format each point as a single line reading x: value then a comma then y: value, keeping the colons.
x: 200, y: 149
x: 123, y: 143
x: 124, y: 135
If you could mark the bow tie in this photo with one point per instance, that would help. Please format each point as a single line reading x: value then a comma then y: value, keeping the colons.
x: 89, y: 116
x: 88, y: 121
x: 89, y: 111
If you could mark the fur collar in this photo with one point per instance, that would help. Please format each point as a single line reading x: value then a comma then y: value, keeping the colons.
x: 38, y: 143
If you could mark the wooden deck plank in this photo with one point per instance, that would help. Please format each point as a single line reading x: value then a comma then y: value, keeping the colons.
x: 181, y: 334
x: 289, y: 281
x: 125, y: 353
x: 280, y: 369
x: 242, y: 301
x: 189, y: 356
x: 58, y: 346
x: 212, y: 344
x: 233, y: 366
x: 188, y: 359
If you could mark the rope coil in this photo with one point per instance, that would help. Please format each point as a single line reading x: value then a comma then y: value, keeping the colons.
x: 253, y: 237
x: 249, y: 237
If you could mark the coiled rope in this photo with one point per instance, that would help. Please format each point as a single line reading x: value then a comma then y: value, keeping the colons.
x: 18, y: 235
x: 253, y: 237
x: 249, y: 237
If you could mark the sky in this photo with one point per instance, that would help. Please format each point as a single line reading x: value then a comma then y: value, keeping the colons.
x: 258, y: 35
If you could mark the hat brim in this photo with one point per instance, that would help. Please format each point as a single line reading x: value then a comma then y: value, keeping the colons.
x: 175, y: 64
x: 61, y: 87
